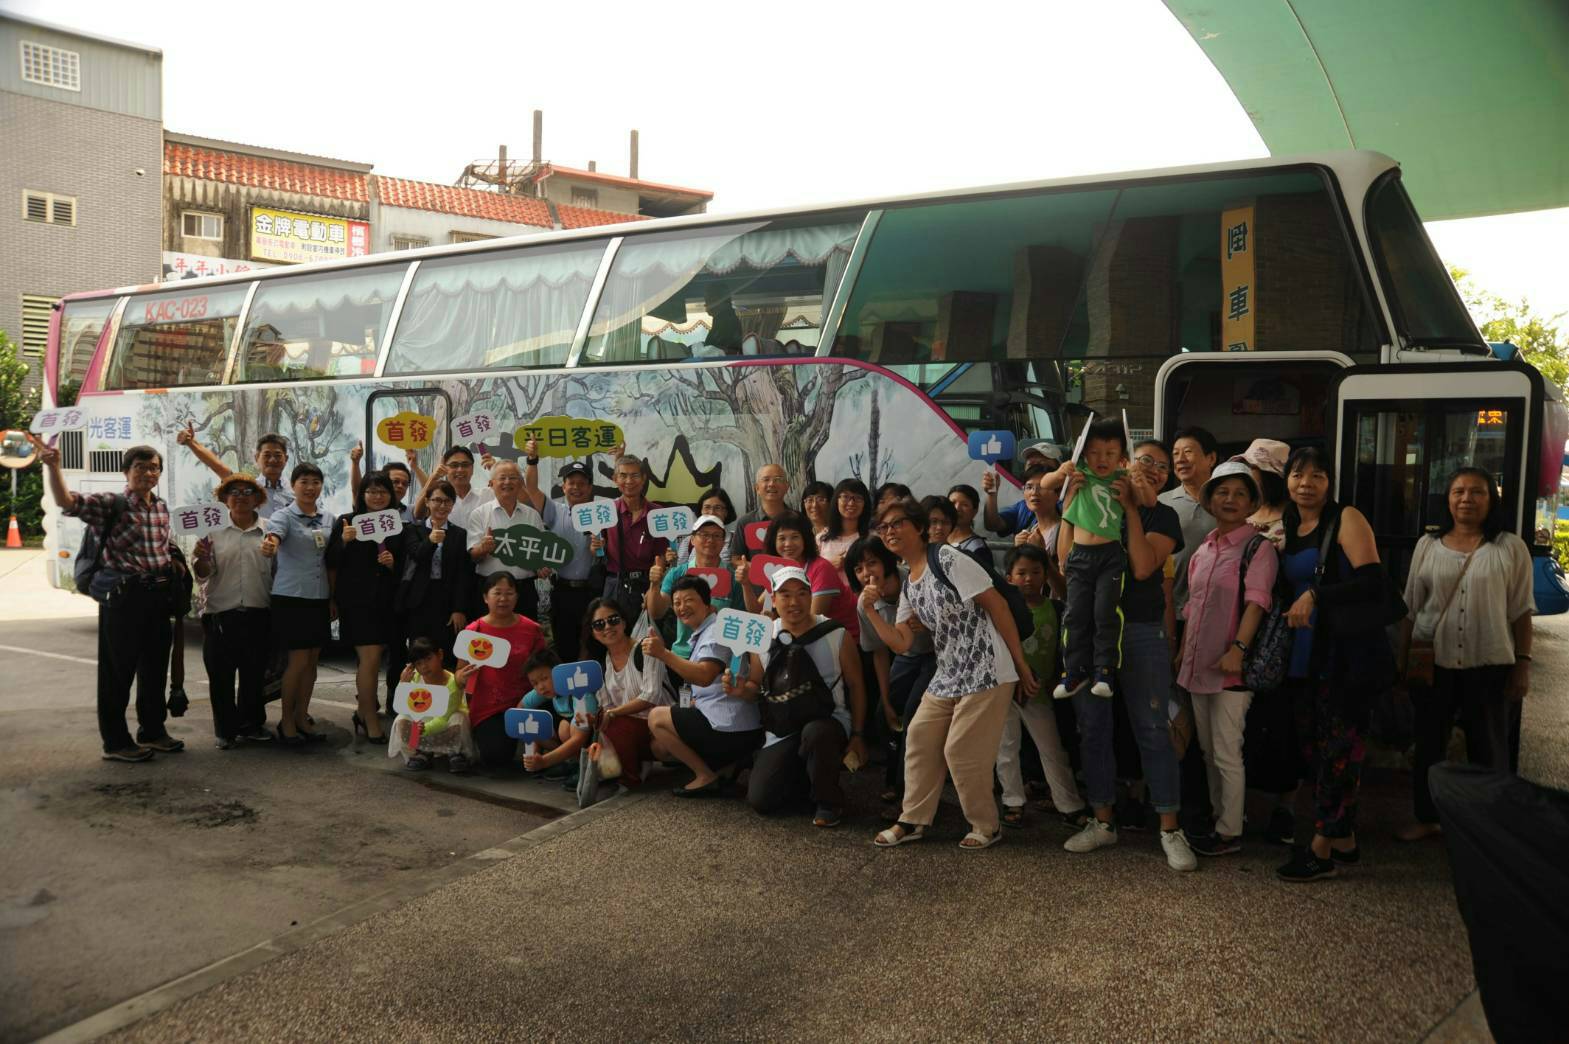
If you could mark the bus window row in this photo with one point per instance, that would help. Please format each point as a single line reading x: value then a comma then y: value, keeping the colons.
x: 1076, y: 294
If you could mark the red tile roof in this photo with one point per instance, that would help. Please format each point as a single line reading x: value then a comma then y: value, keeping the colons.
x: 449, y: 199
x: 192, y: 161
x: 613, y: 179
x: 587, y: 217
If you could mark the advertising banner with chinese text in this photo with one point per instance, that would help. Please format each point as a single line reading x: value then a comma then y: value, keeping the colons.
x: 284, y: 235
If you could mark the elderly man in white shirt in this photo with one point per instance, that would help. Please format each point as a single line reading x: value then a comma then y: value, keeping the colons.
x: 507, y: 510
x: 237, y: 580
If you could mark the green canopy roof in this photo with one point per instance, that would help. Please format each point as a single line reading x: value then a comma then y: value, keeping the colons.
x: 1471, y: 96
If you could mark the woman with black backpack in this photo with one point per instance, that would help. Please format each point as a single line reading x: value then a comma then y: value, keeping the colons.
x: 958, y: 726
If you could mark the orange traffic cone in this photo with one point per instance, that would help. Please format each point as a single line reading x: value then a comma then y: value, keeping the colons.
x: 13, y: 534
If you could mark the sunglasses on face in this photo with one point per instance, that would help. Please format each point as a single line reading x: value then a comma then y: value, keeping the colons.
x: 604, y: 623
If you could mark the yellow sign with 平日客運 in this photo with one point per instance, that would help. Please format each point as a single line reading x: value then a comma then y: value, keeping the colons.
x: 569, y: 436
x: 1238, y: 282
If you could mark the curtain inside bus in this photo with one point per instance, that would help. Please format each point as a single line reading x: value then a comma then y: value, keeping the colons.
x: 504, y: 310
x: 317, y: 326
x: 1097, y: 287
x: 177, y: 338
x: 753, y: 289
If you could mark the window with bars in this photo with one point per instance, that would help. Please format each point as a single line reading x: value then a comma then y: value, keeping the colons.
x: 48, y: 207
x: 51, y: 66
x: 35, y: 323
x: 197, y: 225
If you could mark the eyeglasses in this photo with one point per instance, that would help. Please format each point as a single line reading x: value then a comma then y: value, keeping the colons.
x: 1151, y: 462
x: 886, y: 528
x: 604, y: 623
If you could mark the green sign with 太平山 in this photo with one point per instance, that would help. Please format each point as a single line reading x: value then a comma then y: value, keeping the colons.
x: 529, y: 548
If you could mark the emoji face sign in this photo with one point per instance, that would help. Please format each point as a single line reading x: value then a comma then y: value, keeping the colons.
x: 487, y: 650
x: 420, y: 701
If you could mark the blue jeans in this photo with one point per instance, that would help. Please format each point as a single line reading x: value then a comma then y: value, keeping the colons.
x: 1145, y: 681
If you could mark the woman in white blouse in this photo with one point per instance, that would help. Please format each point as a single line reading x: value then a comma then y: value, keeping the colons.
x: 1469, y: 594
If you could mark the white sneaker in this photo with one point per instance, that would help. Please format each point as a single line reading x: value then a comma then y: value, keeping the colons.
x: 1094, y: 835
x: 1178, y: 855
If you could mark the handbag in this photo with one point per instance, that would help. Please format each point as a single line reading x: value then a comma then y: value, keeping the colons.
x: 1420, y: 657
x: 1264, y: 664
x: 1362, y: 618
x: 604, y: 752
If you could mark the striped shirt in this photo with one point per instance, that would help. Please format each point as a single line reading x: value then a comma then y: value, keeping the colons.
x: 140, y: 541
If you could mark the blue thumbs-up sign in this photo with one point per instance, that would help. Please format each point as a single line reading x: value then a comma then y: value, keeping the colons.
x: 991, y: 446
x: 583, y: 678
x: 530, y: 726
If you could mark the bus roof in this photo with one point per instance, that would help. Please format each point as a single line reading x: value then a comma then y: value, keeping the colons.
x: 1360, y: 166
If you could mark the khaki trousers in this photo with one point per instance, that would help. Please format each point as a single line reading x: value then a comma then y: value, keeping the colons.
x: 959, y: 738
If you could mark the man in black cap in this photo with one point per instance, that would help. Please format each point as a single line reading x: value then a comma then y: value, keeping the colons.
x: 580, y: 580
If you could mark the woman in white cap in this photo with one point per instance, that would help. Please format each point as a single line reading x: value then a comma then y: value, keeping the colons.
x: 1231, y: 581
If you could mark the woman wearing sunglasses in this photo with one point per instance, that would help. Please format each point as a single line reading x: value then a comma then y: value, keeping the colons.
x: 634, y: 685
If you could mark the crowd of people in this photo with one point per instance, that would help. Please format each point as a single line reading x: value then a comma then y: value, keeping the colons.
x: 1170, y: 629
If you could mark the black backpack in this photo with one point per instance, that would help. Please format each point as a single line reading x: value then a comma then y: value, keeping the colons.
x: 89, y: 562
x: 1023, y: 619
x: 671, y: 685
x: 794, y: 694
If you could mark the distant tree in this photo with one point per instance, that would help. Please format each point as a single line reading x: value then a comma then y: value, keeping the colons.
x: 1542, y: 341
x: 18, y: 403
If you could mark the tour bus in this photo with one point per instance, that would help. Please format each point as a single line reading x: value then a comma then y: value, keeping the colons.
x: 1295, y: 298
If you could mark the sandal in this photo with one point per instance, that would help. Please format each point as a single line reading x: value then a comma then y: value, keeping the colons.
x: 980, y: 841
x: 827, y: 817
x: 899, y: 834
x: 1013, y: 816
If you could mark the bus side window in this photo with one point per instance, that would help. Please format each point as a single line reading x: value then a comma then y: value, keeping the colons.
x: 498, y: 310
x: 751, y: 289
x: 318, y: 326
x: 173, y: 339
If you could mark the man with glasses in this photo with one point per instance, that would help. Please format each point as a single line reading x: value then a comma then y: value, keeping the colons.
x: 574, y: 585
x: 506, y: 482
x: 236, y: 615
x: 135, y: 591
x: 708, y: 539
x: 456, y: 467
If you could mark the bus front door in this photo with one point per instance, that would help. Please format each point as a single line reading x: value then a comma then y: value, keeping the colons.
x: 1400, y: 430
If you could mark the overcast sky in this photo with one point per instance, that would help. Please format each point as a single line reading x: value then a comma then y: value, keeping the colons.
x: 767, y: 105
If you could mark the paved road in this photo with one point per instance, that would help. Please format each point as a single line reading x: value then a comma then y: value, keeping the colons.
x: 115, y: 878
x: 652, y: 918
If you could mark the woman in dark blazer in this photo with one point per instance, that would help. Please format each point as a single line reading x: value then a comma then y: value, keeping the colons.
x: 438, y: 576
x: 364, y: 573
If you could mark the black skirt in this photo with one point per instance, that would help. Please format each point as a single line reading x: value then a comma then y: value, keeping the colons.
x: 300, y: 623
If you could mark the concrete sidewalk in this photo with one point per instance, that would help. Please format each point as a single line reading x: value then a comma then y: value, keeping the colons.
x: 665, y: 919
